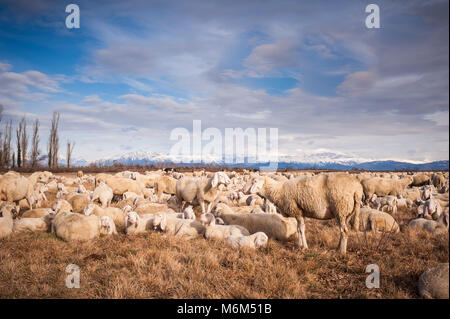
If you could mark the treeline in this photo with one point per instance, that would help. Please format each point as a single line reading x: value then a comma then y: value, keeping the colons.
x: 19, y: 147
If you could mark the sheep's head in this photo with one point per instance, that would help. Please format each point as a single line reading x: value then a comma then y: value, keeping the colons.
x: 444, y: 219
x: 189, y: 213
x: 127, y: 209
x: 425, y: 193
x: 220, y: 178
x: 106, y: 225
x: 160, y: 220
x: 261, y: 239
x: 132, y: 218
x: 253, y: 186
x: 207, y: 219
x: 10, y: 210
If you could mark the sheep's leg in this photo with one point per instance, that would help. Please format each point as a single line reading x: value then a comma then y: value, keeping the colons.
x: 301, y: 233
x: 344, y: 235
x: 209, y: 207
x: 202, y: 204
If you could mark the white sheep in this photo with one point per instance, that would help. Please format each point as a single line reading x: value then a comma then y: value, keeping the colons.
x: 72, y: 226
x: 116, y: 214
x: 104, y: 194
x: 41, y: 224
x: 135, y: 224
x: 253, y: 241
x: 220, y: 232
x: 435, y: 227
x: 107, y: 226
x: 188, y: 213
x: 185, y: 228
x: 379, y: 203
x: 6, y: 220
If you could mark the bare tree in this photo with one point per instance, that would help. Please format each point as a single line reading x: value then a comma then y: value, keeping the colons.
x: 70, y: 146
x: 6, y: 145
x: 24, y: 141
x: 19, y: 144
x: 53, y: 142
x: 35, y: 144
x: 13, y: 159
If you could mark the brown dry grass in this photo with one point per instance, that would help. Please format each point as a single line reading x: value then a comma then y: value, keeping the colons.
x: 155, y: 265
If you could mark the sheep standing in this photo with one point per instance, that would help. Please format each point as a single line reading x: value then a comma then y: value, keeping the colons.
x: 14, y: 189
x: 253, y: 241
x: 165, y: 184
x: 194, y: 190
x: 104, y: 194
x: 323, y: 196
x: 384, y: 186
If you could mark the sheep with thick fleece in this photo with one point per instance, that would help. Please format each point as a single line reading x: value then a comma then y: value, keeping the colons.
x: 420, y: 179
x: 6, y: 220
x: 72, y: 226
x: 40, y: 224
x: 120, y: 185
x: 384, y: 186
x: 104, y: 194
x: 438, y: 180
x: 165, y: 184
x: 62, y: 206
x: 36, y: 212
x: 79, y: 202
x: 188, y: 213
x: 220, y: 232
x: 253, y: 241
x: 433, y: 283
x: 323, y: 196
x: 435, y: 227
x: 14, y: 189
x: 185, y: 228
x: 116, y: 214
x: 274, y: 225
x: 200, y: 190
x: 375, y: 220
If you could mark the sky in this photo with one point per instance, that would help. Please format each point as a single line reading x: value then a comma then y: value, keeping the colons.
x: 136, y: 70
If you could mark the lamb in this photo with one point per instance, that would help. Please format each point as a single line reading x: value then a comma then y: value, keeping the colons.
x: 193, y: 190
x: 6, y: 220
x: 375, y: 220
x: 116, y: 214
x: 185, y: 228
x: 40, y: 224
x: 135, y: 224
x: 72, y: 226
x: 104, y: 194
x: 433, y: 283
x: 165, y: 184
x: 322, y: 196
x: 380, y: 203
x: 254, y: 241
x: 80, y: 174
x: 384, y: 187
x: 435, y: 227
x: 107, y: 226
x: 220, y: 232
x: 273, y: 225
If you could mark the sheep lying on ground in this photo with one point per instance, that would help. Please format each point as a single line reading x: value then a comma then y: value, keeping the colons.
x: 6, y: 220
x: 254, y: 241
x: 433, y: 283
x: 62, y: 206
x: 72, y: 226
x: 36, y: 213
x: 200, y: 190
x: 79, y: 202
x: 375, y: 220
x: 273, y: 225
x: 116, y: 214
x: 135, y: 224
x: 185, y: 228
x: 323, y: 196
x: 104, y: 194
x: 40, y: 224
x: 434, y: 227
x: 220, y: 232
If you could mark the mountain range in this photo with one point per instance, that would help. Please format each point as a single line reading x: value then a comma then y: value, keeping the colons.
x: 319, y: 159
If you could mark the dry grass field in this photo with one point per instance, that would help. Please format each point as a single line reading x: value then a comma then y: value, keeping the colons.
x: 156, y: 265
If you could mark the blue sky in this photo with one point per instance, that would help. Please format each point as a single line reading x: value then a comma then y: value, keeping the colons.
x: 135, y: 70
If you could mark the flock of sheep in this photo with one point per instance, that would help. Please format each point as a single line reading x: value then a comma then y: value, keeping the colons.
x: 242, y: 209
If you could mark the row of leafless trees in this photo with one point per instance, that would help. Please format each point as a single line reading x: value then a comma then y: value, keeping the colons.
x: 25, y: 154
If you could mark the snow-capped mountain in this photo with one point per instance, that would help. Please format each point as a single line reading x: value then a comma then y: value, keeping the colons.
x: 320, y: 159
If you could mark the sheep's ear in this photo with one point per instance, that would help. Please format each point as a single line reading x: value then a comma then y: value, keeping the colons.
x: 215, y: 180
x: 163, y: 223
